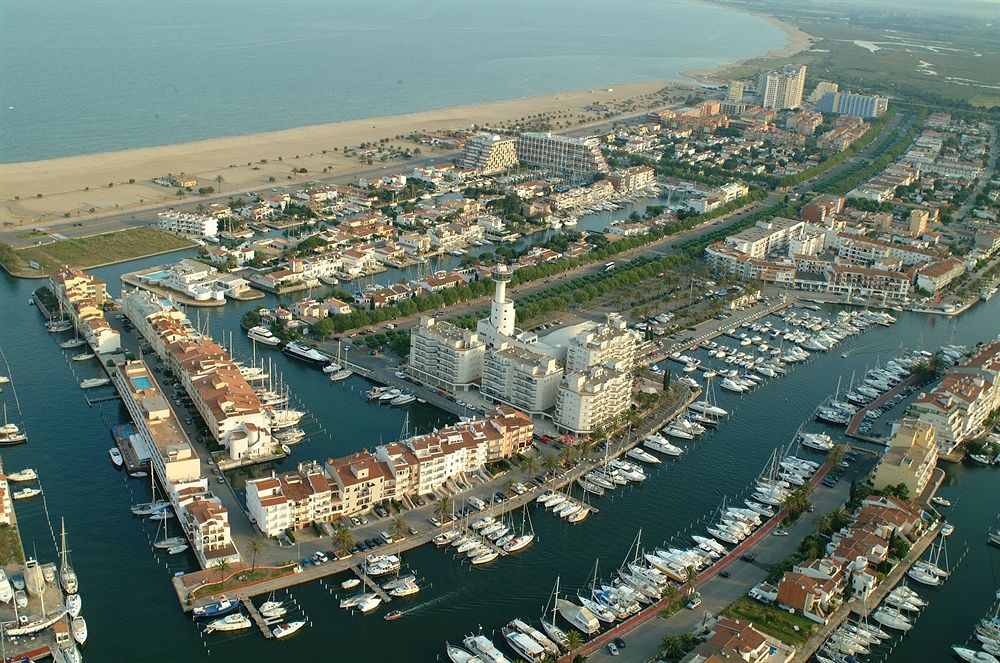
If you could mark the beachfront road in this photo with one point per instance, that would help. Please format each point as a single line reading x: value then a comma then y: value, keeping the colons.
x: 642, y: 643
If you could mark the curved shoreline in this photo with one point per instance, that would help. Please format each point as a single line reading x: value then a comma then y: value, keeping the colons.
x: 798, y: 41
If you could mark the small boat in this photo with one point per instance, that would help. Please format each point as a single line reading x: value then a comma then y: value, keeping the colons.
x: 26, y: 474
x: 403, y: 399
x: 940, y: 501
x: 369, y: 604
x: 72, y: 343
x: 459, y: 655
x: 341, y: 375
x: 90, y: 383
x: 162, y: 515
x: 272, y: 609
x: 79, y: 629
x: 84, y: 356
x: 26, y: 493
x: 138, y: 475
x: 6, y: 591
x: 74, y: 603
x: 286, y: 629
x: 116, y: 456
x: 350, y: 583
x: 643, y: 456
x: 20, y: 598
x: 973, y: 656
x: 178, y: 549
x: 390, y: 616
x: 234, y: 622
x: 217, y: 608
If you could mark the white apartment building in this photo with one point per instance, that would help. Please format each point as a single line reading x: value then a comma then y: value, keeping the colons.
x: 782, y: 89
x: 577, y: 157
x: 82, y: 298
x: 292, y: 500
x: 592, y: 397
x: 609, y: 342
x: 196, y: 280
x: 489, y: 153
x: 521, y: 378
x: 445, y: 356
x: 186, y: 223
x: 766, y: 237
x: 964, y: 399
x: 206, y: 522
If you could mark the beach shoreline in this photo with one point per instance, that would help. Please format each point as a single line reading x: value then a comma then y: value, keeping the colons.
x: 64, y: 190
x: 798, y: 41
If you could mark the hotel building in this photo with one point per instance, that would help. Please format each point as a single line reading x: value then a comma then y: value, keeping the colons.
x: 910, y: 459
x: 520, y: 377
x: 577, y: 157
x: 606, y: 343
x: 592, y: 397
x: 185, y: 223
x: 445, y: 356
x: 782, y: 89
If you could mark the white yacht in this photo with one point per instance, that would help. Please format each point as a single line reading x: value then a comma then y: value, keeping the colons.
x: 459, y: 655
x: 548, y: 645
x: 578, y: 616
x: 286, y: 629
x: 484, y: 648
x: 817, y: 441
x: 263, y: 335
x: 643, y: 456
x: 523, y: 644
x: 91, y: 383
x: 235, y: 622
x: 303, y: 352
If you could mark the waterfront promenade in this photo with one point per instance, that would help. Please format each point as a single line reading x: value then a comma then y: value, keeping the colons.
x: 653, y: 420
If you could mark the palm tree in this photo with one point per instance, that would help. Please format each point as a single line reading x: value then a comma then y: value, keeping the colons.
x: 692, y: 578
x: 343, y: 539
x: 568, y: 455
x: 223, y: 566
x: 529, y: 465
x: 398, y: 525
x: 509, y: 484
x: 444, y: 507
x: 219, y: 180
x: 574, y: 640
x: 550, y: 463
x: 255, y: 545
x: 586, y: 445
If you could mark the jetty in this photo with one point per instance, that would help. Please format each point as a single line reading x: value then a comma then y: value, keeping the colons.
x: 258, y: 619
x: 371, y: 584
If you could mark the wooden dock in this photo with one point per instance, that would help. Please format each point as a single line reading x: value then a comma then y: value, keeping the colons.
x: 258, y: 619
x: 371, y: 584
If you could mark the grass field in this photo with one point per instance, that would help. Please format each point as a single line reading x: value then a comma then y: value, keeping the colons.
x: 10, y: 546
x: 773, y: 621
x: 102, y: 249
x: 915, y: 57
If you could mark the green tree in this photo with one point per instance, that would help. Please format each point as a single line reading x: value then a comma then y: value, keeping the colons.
x: 223, y: 566
x: 530, y: 465
x: 666, y: 381
x: 575, y: 640
x: 444, y: 507
x: 255, y: 545
x: 398, y: 526
x: 550, y: 463
x: 343, y: 539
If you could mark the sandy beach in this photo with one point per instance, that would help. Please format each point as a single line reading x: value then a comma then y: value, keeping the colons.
x: 75, y: 187
x: 798, y: 41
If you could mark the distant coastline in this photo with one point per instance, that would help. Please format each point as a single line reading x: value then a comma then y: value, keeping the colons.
x: 798, y: 41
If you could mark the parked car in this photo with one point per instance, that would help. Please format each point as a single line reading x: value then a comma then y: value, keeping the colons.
x: 694, y: 603
x: 613, y: 649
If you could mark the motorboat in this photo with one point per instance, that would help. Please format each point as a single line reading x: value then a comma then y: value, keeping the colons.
x: 708, y: 409
x: 459, y: 655
x: 657, y: 443
x: 484, y: 648
x: 579, y: 616
x: 676, y: 431
x: 169, y: 542
x: 643, y: 456
x: 368, y: 604
x: 72, y: 343
x: 485, y: 556
x: 940, y: 501
x: 286, y: 629
x: 27, y: 474
x: 162, y: 515
x: 403, y: 398
x: 353, y: 601
x: 523, y: 644
x: 116, y: 456
x: 547, y: 644
x: 6, y: 590
x: 149, y: 508
x: 91, y: 383
x: 392, y: 615
x: 235, y: 622
x: 222, y: 606
x: 973, y: 656
x: 817, y: 441
x: 78, y: 627
x: 263, y: 335
x: 178, y: 549
x: 304, y: 353
x: 26, y: 493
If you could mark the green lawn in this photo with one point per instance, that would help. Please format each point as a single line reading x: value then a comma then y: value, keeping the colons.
x: 773, y: 621
x: 102, y: 249
x: 10, y: 546
x: 31, y: 234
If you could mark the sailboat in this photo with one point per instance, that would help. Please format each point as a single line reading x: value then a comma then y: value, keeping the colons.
x: 554, y: 632
x: 10, y: 434
x: 67, y: 576
x: 601, y: 611
x: 168, y: 542
x: 342, y: 373
x: 522, y: 540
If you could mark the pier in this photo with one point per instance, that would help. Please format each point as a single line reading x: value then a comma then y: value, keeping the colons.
x: 371, y: 584
x: 852, y: 426
x: 258, y: 619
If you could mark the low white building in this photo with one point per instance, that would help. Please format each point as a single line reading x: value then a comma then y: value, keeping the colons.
x: 185, y: 223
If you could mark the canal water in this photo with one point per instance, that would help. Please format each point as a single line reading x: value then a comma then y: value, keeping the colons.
x: 125, y: 585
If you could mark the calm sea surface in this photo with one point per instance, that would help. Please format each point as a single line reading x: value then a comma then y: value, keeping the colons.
x: 125, y: 585
x: 84, y: 77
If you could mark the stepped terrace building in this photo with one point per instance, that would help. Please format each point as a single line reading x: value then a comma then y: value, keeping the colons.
x: 592, y: 397
x: 445, y: 356
x: 489, y: 153
x: 291, y: 500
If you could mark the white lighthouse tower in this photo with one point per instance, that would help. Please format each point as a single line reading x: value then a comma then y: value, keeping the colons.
x: 501, y: 320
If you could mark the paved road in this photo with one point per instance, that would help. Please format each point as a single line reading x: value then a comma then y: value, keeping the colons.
x: 717, y: 592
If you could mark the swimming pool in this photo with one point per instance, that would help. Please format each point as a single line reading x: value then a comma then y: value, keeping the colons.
x: 155, y: 276
x: 142, y: 383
